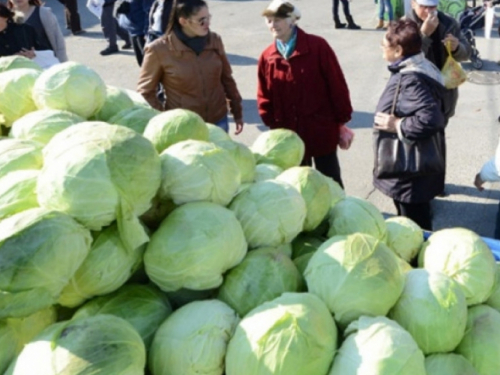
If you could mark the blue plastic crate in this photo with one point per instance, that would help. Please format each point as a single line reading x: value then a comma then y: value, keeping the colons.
x: 493, y: 244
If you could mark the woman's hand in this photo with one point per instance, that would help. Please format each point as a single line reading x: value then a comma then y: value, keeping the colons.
x: 346, y: 136
x: 239, y: 126
x: 29, y: 53
x: 387, y: 123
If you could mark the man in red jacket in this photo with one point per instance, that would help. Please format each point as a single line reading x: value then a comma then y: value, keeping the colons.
x: 301, y: 87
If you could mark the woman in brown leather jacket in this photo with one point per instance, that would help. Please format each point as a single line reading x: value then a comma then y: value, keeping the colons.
x: 190, y: 63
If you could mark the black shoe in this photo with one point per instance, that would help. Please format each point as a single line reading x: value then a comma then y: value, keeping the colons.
x: 339, y: 25
x: 351, y: 25
x: 127, y: 46
x: 109, y: 50
x: 79, y: 32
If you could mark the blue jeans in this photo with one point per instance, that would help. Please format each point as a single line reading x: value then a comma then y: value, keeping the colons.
x: 223, y: 124
x: 383, y: 4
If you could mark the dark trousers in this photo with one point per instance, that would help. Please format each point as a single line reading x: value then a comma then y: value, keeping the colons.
x: 328, y: 165
x: 138, y: 42
x: 420, y: 213
x: 496, y: 235
x: 72, y: 15
x: 110, y: 26
x: 345, y: 6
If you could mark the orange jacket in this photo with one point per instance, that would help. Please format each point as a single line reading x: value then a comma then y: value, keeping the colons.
x: 201, y: 83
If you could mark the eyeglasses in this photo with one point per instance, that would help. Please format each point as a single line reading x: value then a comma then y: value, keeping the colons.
x: 202, y: 21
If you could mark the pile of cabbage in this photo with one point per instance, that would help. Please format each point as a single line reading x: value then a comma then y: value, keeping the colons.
x: 138, y: 242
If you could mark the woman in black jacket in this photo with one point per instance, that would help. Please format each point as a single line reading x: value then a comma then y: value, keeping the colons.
x: 411, y: 106
x: 15, y: 38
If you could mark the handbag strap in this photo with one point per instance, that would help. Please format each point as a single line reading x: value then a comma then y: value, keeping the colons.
x: 396, y: 94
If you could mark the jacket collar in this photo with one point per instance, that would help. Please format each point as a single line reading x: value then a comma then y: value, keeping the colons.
x: 174, y: 43
x: 301, y: 47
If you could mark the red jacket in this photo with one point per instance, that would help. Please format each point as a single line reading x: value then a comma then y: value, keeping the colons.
x: 306, y: 93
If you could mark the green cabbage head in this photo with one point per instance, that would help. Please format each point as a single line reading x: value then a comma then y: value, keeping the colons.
x: 16, y: 87
x: 355, y: 275
x: 40, y: 250
x: 480, y: 344
x: 263, y: 275
x: 271, y: 213
x: 433, y: 310
x: 293, y: 334
x: 72, y: 87
x: 352, y: 215
x: 194, y: 246
x: 100, y: 345
x: 404, y: 237
x: 107, y: 267
x: 16, y: 154
x: 99, y: 173
x: 266, y: 171
x: 465, y: 257
x: 314, y: 188
x: 448, y: 364
x: 135, y: 117
x: 242, y: 156
x: 281, y: 147
x: 193, y: 340
x: 174, y: 126
x: 378, y: 346
x: 117, y: 100
x: 494, y: 300
x: 143, y: 306
x: 198, y: 171
x: 41, y: 125
x: 17, y: 62
x: 216, y: 134
x: 17, y: 192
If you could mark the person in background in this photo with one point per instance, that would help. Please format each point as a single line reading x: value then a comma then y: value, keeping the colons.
x: 345, y: 6
x: 190, y: 62
x: 301, y: 87
x: 72, y: 16
x: 45, y: 24
x: 134, y: 17
x: 110, y: 29
x: 384, y: 6
x: 415, y: 90
x: 159, y: 17
x: 15, y: 38
x: 490, y: 172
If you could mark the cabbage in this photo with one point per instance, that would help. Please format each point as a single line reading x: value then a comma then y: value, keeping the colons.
x: 18, y: 155
x: 281, y: 147
x: 99, y: 173
x: 263, y: 275
x: 143, y: 306
x: 107, y: 267
x: 465, y: 257
x: 198, y: 171
x: 336, y: 191
x: 271, y: 213
x: 193, y: 340
x: 404, y: 237
x: 102, y: 344
x: 184, y: 296
x: 494, y: 299
x: 17, y: 192
x: 194, y: 246
x: 242, y: 156
x: 433, y: 310
x: 302, y: 261
x: 159, y: 210
x: 40, y: 250
x: 41, y: 125
x: 174, y: 126
x: 16, y: 87
x: 352, y: 215
x: 314, y: 188
x: 135, y: 118
x: 355, y: 275
x: 291, y: 335
x: 16, y: 332
x: 305, y: 243
x: 448, y: 364
x: 17, y: 62
x: 216, y: 134
x: 70, y: 86
x: 116, y: 100
x: 266, y: 172
x: 480, y: 344
x: 378, y: 346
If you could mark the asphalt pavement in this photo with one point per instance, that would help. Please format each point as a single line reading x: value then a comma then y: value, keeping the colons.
x: 472, y: 134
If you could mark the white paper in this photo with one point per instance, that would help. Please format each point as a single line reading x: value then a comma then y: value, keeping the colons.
x: 45, y: 58
x: 95, y: 7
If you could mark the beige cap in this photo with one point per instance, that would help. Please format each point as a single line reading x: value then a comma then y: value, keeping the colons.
x: 281, y: 9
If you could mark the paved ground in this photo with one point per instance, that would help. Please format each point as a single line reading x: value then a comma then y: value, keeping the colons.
x: 472, y: 134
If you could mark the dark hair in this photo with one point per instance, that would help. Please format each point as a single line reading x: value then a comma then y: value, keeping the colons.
x: 37, y: 3
x: 5, y: 12
x: 405, y: 33
x: 184, y: 9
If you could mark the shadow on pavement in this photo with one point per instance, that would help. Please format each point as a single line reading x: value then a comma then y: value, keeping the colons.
x: 241, y: 60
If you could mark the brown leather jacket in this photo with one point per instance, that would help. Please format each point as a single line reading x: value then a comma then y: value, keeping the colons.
x: 203, y: 84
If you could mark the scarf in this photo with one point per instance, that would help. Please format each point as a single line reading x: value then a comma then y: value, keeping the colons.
x: 197, y: 43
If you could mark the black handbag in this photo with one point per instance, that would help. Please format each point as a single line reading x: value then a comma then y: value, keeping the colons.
x: 397, y: 159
